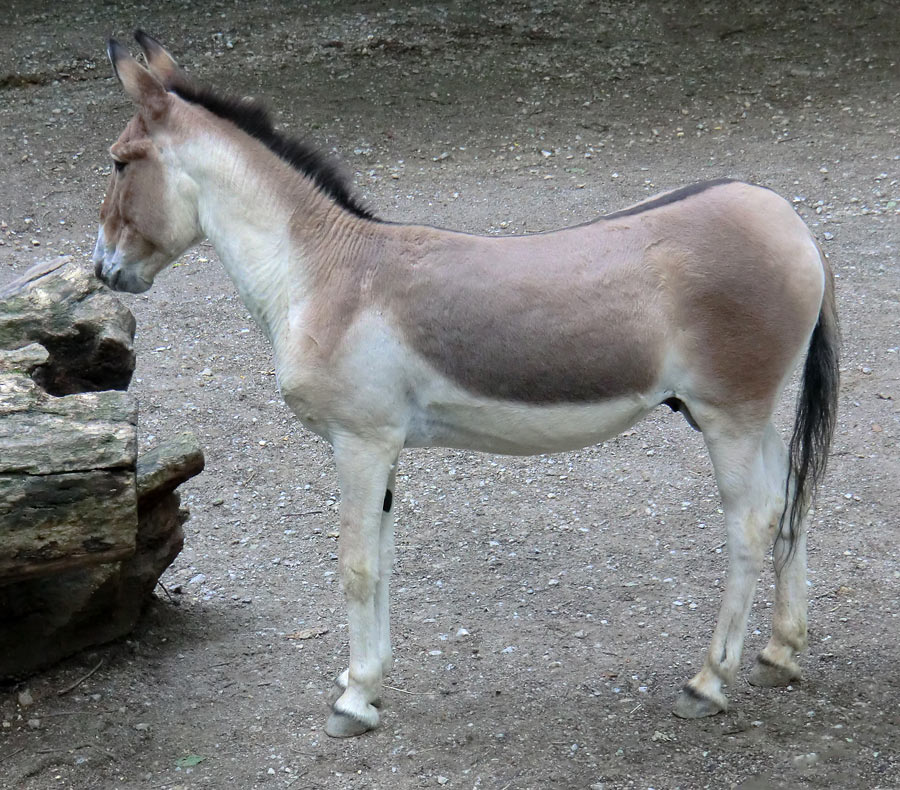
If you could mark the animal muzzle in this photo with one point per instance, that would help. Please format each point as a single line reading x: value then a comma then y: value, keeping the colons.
x: 99, y: 254
x: 109, y: 266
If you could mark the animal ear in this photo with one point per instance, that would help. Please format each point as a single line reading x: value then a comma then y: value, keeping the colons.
x: 161, y: 64
x: 130, y: 150
x: 146, y: 91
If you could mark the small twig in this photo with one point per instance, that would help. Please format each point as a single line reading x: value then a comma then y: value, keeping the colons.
x: 729, y: 33
x: 77, y: 683
x: 404, y: 691
x: 636, y: 708
x: 250, y: 477
x: 70, y: 749
x: 168, y: 594
x: 722, y: 545
x: 305, y: 754
x: 11, y: 755
x: 305, y: 513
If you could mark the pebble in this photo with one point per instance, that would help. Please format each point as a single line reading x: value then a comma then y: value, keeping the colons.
x: 442, y: 780
x: 25, y: 698
x: 35, y: 724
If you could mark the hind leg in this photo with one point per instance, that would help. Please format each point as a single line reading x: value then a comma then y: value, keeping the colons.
x: 739, y: 462
x: 776, y: 665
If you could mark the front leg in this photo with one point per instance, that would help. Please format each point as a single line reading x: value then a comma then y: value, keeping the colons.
x: 365, y: 470
x: 382, y: 588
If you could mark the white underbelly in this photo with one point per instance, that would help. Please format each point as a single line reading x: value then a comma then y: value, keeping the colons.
x: 381, y: 388
x: 471, y: 422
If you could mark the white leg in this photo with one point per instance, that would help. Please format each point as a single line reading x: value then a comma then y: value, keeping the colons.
x: 385, y: 565
x: 382, y: 588
x: 748, y: 503
x: 776, y: 664
x: 364, y: 470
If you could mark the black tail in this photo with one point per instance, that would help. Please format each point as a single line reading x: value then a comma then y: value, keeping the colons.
x: 815, y: 415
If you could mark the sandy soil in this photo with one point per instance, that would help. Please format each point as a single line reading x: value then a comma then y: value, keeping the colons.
x: 587, y: 582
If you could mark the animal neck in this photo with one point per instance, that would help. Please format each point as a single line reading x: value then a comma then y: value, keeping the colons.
x: 273, y: 230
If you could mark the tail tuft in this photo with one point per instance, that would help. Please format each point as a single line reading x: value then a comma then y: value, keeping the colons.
x: 815, y: 415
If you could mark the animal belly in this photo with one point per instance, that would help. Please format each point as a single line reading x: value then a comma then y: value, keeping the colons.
x: 517, y: 429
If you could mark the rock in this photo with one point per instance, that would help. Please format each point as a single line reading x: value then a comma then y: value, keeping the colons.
x: 51, y: 616
x: 86, y: 330
x: 23, y: 360
x: 66, y: 478
x: 161, y: 470
x: 86, y: 527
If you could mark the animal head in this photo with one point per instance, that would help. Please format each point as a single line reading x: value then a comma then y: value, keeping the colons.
x: 149, y: 215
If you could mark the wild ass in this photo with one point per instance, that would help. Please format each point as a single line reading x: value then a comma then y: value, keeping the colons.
x: 389, y: 335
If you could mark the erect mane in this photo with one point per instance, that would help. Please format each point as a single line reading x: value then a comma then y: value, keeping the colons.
x: 253, y: 118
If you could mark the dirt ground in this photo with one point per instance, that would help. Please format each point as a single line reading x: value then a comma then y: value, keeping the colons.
x: 585, y: 584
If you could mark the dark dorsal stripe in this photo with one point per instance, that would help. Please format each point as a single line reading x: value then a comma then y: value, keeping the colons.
x: 253, y: 118
x: 668, y: 198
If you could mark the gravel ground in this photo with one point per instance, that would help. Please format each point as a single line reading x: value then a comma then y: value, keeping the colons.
x: 546, y: 608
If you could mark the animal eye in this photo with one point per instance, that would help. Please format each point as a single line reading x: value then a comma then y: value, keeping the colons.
x: 120, y: 166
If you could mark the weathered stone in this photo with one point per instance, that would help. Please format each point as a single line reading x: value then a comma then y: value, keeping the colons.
x: 43, y: 620
x: 87, y: 331
x: 86, y: 528
x: 41, y: 434
x: 166, y: 467
x: 23, y: 360
x: 67, y: 478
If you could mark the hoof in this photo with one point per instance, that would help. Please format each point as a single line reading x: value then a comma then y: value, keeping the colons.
x: 768, y: 674
x: 337, y: 691
x: 340, y: 686
x: 345, y: 725
x: 691, y: 704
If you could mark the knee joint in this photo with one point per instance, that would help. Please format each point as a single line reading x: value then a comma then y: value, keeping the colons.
x: 358, y: 579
